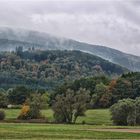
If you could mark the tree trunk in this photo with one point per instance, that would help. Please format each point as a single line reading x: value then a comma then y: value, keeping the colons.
x: 75, y: 118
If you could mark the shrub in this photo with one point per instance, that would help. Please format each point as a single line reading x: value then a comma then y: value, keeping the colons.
x: 83, y: 122
x: 131, y: 119
x: 34, y: 112
x: 124, y: 112
x: 138, y: 110
x: 3, y: 100
x: 59, y: 118
x: 2, y: 115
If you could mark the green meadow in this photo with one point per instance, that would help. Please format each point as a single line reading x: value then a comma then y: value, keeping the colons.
x: 94, y: 116
x: 95, y: 121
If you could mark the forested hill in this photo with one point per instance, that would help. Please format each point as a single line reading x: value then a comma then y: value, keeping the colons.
x: 11, y: 38
x: 48, y: 69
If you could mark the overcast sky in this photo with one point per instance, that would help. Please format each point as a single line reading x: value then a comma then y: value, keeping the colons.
x: 112, y: 23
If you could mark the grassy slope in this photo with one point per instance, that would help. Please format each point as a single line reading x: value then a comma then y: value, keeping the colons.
x: 96, y: 116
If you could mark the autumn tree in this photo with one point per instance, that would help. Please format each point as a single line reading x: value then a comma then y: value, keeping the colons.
x: 122, y: 89
x: 101, y: 97
x: 32, y: 107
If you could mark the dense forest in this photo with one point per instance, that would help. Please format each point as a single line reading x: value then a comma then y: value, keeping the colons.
x: 49, y: 69
x: 103, y: 91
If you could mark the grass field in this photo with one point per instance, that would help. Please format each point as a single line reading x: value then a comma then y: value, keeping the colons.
x: 99, y: 117
x: 57, y: 131
x: 96, y: 116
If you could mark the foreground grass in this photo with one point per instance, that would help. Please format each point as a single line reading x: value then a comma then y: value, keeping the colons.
x: 95, y: 116
x: 57, y: 131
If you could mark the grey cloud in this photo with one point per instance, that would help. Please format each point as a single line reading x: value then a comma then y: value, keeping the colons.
x: 114, y: 23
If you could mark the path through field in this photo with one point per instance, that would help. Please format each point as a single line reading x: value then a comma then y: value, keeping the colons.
x: 118, y: 130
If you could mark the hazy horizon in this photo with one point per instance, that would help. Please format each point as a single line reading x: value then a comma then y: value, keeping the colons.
x: 114, y: 24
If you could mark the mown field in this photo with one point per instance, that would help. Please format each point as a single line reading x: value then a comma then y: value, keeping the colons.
x: 58, y: 131
x: 99, y: 118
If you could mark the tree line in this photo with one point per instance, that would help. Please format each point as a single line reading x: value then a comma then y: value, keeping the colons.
x: 103, y: 90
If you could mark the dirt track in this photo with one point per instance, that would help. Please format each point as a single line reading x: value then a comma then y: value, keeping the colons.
x: 118, y: 130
